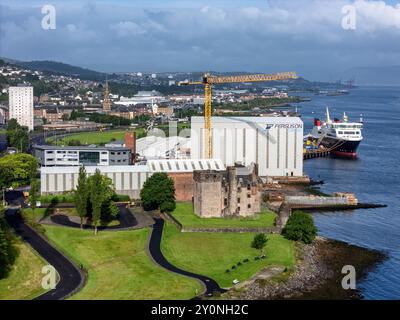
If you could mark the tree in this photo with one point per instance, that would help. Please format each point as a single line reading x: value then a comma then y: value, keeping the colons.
x: 100, y: 190
x: 81, y: 195
x: 17, y: 136
x: 18, y: 167
x: 7, y: 250
x: 158, y: 192
x: 259, y: 242
x: 300, y: 227
x: 34, y: 196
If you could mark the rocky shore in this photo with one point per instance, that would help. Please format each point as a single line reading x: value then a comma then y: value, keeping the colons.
x: 317, y: 274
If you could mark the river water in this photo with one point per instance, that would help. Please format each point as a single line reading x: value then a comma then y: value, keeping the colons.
x: 373, y: 177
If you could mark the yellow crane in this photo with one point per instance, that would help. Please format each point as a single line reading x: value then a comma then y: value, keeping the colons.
x: 208, y: 80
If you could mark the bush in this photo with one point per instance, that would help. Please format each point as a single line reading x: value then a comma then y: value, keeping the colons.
x: 227, y: 271
x: 8, y: 252
x: 246, y: 260
x: 233, y: 267
x: 120, y: 198
x: 300, y: 227
x: 239, y: 263
x: 167, y: 206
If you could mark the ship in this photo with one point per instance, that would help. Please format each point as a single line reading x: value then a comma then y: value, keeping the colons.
x: 340, y: 137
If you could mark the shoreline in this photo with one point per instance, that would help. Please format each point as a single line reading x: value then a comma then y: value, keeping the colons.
x: 317, y: 274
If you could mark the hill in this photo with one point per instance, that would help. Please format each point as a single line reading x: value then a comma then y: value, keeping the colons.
x: 59, y: 68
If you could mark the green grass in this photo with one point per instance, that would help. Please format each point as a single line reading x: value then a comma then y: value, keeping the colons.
x: 184, y: 214
x: 118, y: 266
x: 24, y: 280
x: 97, y: 137
x: 211, y: 254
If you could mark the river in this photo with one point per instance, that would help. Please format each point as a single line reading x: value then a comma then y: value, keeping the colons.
x: 373, y: 177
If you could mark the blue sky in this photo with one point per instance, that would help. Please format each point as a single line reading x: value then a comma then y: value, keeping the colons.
x: 179, y: 35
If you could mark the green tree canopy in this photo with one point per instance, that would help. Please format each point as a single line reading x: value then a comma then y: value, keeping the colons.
x: 300, y: 227
x: 19, y: 167
x: 158, y: 192
x: 82, y: 194
x: 259, y: 241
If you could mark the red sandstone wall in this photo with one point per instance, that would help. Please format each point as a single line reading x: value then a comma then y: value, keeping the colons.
x: 183, y: 185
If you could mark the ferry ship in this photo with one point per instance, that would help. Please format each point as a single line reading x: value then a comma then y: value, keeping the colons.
x: 340, y: 137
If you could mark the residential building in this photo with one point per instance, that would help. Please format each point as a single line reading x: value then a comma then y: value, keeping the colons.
x: 21, y: 105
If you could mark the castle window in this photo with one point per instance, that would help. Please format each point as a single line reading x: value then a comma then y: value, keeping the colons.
x: 238, y: 209
x: 249, y: 206
x: 238, y: 200
x: 248, y: 195
x: 225, y: 202
x: 248, y: 187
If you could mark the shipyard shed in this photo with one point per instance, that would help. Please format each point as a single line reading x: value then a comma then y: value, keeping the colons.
x: 274, y: 143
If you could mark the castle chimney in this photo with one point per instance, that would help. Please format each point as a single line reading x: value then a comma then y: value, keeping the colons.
x: 130, y: 143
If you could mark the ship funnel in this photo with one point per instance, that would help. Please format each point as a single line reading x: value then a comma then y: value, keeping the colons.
x: 345, y: 118
x: 328, y: 117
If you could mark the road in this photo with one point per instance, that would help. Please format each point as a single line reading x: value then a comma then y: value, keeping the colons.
x: 155, y: 252
x: 71, y: 278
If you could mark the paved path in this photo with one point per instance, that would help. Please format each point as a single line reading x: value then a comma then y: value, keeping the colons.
x: 155, y: 252
x: 126, y: 218
x: 71, y: 278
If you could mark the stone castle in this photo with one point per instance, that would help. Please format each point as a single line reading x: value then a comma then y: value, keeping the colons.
x: 233, y: 192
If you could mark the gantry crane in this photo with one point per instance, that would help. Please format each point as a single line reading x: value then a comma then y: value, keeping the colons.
x: 209, y: 80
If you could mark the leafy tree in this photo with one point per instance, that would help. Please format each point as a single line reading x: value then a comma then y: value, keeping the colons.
x: 13, y: 124
x: 7, y: 250
x: 158, y: 192
x: 167, y: 206
x: 81, y: 195
x: 259, y: 242
x: 19, y: 167
x: 300, y: 227
x: 17, y: 136
x: 34, y: 196
x: 100, y: 190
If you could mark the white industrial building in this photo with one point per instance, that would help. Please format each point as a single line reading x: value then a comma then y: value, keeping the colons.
x: 21, y: 105
x: 274, y: 143
x: 126, y: 179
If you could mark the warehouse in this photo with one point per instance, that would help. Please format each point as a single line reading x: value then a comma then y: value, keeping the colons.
x: 129, y: 179
x: 274, y: 143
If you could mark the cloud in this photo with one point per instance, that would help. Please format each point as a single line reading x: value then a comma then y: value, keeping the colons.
x: 279, y: 35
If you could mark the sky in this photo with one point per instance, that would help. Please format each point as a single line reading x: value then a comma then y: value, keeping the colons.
x: 306, y: 36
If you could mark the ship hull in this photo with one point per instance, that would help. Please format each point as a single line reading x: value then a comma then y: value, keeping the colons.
x: 348, y: 149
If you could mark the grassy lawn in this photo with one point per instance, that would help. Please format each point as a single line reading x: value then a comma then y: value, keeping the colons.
x: 119, y: 267
x: 24, y: 280
x: 184, y: 214
x: 36, y: 215
x: 211, y: 254
x: 97, y: 137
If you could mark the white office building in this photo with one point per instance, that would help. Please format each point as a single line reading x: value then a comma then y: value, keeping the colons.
x: 21, y: 105
x: 274, y: 143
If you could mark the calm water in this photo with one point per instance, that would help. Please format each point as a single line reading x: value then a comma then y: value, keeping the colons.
x: 373, y: 177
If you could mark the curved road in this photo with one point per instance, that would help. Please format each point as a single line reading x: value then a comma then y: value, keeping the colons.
x: 71, y: 278
x: 127, y: 220
x: 155, y: 252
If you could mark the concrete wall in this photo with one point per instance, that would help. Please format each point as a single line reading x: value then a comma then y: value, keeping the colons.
x: 315, y: 200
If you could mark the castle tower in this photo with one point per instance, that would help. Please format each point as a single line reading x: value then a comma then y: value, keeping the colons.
x: 106, y: 99
x: 232, y: 191
x: 207, y: 193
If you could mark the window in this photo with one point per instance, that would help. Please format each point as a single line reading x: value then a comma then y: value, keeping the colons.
x: 225, y: 202
x: 103, y: 160
x: 238, y: 200
x: 248, y: 186
x: 249, y: 195
x: 89, y: 157
x: 105, y: 152
x: 249, y: 206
